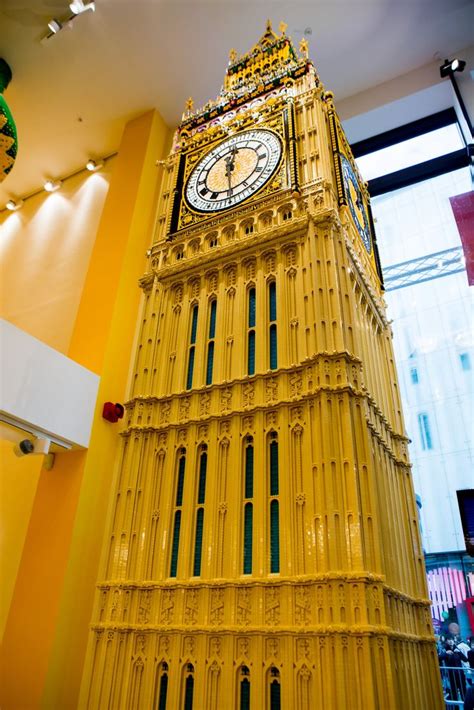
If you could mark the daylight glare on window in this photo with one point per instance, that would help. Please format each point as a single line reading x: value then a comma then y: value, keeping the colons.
x: 410, y: 152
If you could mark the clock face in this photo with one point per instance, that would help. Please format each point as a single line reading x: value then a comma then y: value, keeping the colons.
x: 233, y: 171
x: 356, y: 202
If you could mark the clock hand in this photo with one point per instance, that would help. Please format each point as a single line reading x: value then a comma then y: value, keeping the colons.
x: 229, y: 166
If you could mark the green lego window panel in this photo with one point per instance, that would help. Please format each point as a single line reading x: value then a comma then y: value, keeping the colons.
x: 212, y: 320
x: 180, y: 486
x: 163, y: 692
x: 189, y: 691
x: 194, y: 324
x: 273, y: 347
x: 244, y: 694
x: 198, y: 542
x: 272, y: 302
x: 252, y: 308
x: 202, y: 478
x: 249, y: 471
x: 274, y: 484
x: 210, y: 363
x: 248, y: 535
x: 274, y: 536
x: 175, y: 544
x: 275, y: 695
x: 251, y: 353
x: 189, y: 379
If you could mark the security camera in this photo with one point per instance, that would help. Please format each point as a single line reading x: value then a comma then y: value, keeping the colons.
x: 24, y: 447
x: 28, y: 446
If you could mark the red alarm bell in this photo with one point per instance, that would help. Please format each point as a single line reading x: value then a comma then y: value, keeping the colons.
x: 113, y: 412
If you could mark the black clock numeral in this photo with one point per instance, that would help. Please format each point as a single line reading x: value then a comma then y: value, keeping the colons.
x: 204, y: 191
x: 214, y: 196
x: 259, y: 169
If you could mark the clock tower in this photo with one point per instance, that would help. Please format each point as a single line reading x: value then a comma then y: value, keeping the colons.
x: 263, y: 548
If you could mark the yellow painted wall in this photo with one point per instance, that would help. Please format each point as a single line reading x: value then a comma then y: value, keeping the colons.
x: 45, y: 250
x: 54, y: 591
x: 18, y: 482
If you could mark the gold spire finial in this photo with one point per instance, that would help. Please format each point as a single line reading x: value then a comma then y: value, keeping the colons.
x: 304, y: 48
x: 269, y: 26
x: 232, y: 56
x: 189, y: 104
x: 282, y: 27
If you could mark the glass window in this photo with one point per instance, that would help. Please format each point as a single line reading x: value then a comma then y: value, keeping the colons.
x: 425, y: 431
x: 465, y: 361
x: 431, y: 314
x: 411, y: 152
x: 414, y: 375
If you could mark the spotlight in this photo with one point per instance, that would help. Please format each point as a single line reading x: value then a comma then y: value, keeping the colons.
x: 449, y: 67
x: 78, y: 7
x: 54, y: 26
x: 93, y: 165
x: 14, y: 206
x: 52, y: 185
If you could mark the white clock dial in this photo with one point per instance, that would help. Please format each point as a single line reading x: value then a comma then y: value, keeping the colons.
x: 233, y: 171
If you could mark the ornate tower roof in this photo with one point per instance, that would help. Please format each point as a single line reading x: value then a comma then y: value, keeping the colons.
x: 269, y: 64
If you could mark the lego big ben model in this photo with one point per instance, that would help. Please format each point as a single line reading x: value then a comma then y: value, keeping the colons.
x: 264, y: 549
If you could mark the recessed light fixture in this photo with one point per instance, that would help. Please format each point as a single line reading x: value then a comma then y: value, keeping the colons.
x: 52, y: 185
x: 54, y: 26
x: 14, y: 206
x: 93, y: 165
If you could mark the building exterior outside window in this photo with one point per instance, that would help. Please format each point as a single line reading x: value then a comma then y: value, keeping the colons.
x: 430, y: 303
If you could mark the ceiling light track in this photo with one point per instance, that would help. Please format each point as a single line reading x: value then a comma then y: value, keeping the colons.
x: 77, y: 8
x: 50, y: 185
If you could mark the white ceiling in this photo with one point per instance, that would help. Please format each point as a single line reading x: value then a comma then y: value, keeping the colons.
x: 70, y: 96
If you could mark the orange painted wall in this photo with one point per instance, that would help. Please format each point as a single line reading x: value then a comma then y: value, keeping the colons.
x: 58, y: 570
